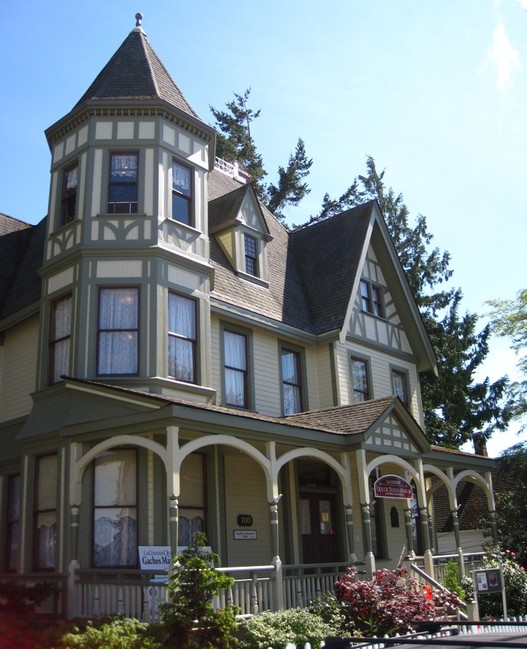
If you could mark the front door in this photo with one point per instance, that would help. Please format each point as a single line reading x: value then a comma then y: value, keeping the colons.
x: 318, y: 528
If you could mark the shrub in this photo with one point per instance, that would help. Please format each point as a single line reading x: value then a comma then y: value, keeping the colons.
x: 189, y: 620
x: 276, y: 630
x: 515, y: 578
x: 451, y: 580
x: 390, y: 603
x: 15, y: 633
x: 16, y: 597
x: 117, y: 633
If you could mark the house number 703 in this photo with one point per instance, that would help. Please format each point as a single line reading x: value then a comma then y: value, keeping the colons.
x: 245, y: 520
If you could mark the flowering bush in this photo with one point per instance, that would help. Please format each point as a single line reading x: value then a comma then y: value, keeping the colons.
x: 515, y: 578
x: 390, y: 603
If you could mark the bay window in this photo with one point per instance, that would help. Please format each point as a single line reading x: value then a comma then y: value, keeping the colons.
x: 118, y: 331
x: 122, y: 186
x: 68, y: 200
x: 60, y: 339
x: 181, y: 193
x: 45, y: 513
x: 115, y: 509
x: 182, y: 338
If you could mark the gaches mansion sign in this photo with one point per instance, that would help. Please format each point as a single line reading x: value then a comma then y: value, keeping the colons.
x: 392, y: 486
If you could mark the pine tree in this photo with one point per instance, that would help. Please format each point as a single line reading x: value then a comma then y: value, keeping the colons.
x: 457, y: 408
x: 290, y: 189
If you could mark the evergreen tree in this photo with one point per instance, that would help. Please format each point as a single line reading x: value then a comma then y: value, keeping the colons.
x: 235, y: 144
x: 457, y: 409
x: 290, y: 189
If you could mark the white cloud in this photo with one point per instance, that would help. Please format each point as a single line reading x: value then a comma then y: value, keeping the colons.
x: 523, y: 4
x: 504, y: 56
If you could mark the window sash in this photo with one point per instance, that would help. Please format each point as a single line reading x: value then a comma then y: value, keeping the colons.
x: 181, y: 193
x: 359, y: 372
x: 251, y: 255
x: 114, y: 542
x: 182, y: 339
x: 122, y: 186
x: 291, y: 382
x: 68, y: 201
x: 235, y: 359
x: 118, y: 333
x: 400, y: 385
x: 45, y: 513
x: 60, y: 339
x: 12, y: 523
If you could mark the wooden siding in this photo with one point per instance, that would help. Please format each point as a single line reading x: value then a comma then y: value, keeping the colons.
x: 245, y: 493
x: 18, y: 367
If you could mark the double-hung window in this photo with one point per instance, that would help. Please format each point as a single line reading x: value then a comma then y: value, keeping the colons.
x: 181, y: 193
x: 68, y: 200
x: 182, y: 338
x: 59, y: 339
x: 236, y: 369
x: 400, y: 385
x: 251, y: 255
x: 122, y: 187
x: 118, y: 331
x: 371, y: 298
x: 45, y: 513
x: 360, y: 380
x: 12, y: 547
x: 115, y: 509
x: 291, y: 381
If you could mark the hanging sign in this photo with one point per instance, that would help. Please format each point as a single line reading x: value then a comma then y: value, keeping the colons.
x: 154, y: 557
x: 392, y: 486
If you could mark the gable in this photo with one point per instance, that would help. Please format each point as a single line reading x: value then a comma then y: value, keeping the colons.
x: 390, y: 437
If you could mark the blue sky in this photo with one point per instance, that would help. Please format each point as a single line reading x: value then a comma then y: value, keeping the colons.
x: 434, y: 90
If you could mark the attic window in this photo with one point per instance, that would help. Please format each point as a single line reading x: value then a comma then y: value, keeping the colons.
x: 251, y: 255
x: 371, y: 298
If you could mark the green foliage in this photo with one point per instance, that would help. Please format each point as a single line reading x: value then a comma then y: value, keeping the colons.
x: 451, y: 580
x: 511, y: 521
x: 515, y: 578
x: 189, y: 618
x: 118, y: 633
x: 290, y: 189
x: 457, y: 408
x: 509, y: 318
x: 276, y: 630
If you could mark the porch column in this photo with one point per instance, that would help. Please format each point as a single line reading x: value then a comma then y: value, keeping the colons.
x: 352, y: 557
x: 455, y: 527
x: 72, y: 603
x: 423, y: 519
x: 364, y: 494
x: 278, y: 582
x: 409, y: 530
x: 173, y: 521
x: 494, y: 526
x: 74, y: 518
x: 492, y: 507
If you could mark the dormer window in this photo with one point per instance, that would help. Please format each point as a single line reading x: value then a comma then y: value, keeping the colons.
x: 251, y: 255
x: 181, y: 193
x: 122, y: 188
x: 68, y: 200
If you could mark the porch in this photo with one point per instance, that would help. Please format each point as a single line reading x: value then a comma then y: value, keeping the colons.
x: 273, y: 587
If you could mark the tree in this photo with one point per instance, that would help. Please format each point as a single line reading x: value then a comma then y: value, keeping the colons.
x: 290, y: 189
x: 509, y: 319
x: 457, y: 409
x: 235, y: 144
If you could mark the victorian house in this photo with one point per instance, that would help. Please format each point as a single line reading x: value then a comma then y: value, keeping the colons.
x: 173, y: 360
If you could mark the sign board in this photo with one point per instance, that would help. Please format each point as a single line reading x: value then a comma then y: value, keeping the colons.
x: 244, y: 535
x: 154, y: 557
x: 244, y: 520
x: 488, y: 580
x: 392, y: 486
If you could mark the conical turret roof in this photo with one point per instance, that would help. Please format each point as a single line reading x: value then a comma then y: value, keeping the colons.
x: 135, y: 72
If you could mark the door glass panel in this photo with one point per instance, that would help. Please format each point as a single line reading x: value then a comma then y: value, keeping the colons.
x: 305, y: 516
x: 326, y: 524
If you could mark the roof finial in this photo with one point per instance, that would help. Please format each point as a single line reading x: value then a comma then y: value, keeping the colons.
x: 138, y: 19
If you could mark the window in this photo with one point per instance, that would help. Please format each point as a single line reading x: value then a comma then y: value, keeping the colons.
x: 360, y: 381
x: 59, y: 339
x: 192, y: 503
x: 181, y: 338
x: 13, y: 519
x: 371, y: 298
x: 68, y: 201
x: 118, y: 331
x: 115, y: 509
x: 251, y: 255
x: 236, y: 369
x: 400, y: 385
x: 122, y: 189
x: 291, y: 382
x: 45, y: 513
x: 181, y: 193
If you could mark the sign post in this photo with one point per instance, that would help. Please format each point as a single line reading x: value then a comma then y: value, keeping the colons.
x: 490, y: 580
